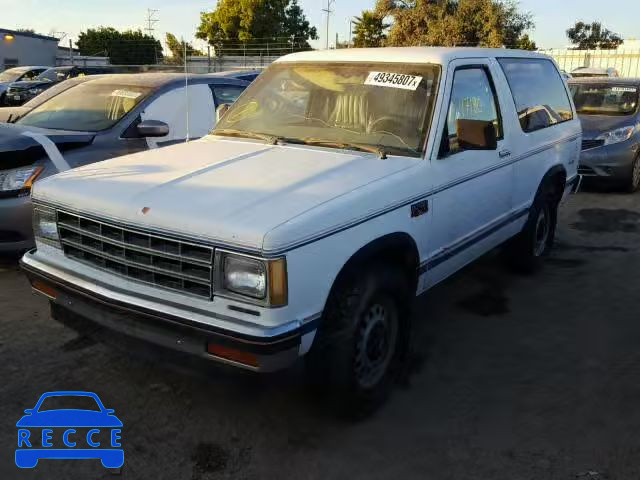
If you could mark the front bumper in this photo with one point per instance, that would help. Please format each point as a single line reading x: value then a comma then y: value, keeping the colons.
x: 16, y: 231
x: 17, y: 98
x: 611, y: 162
x: 97, y: 314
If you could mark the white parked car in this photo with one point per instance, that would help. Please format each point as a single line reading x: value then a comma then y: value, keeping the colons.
x: 340, y: 185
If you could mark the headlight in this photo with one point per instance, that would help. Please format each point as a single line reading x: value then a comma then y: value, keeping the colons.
x: 254, y: 279
x: 618, y: 135
x: 18, y: 178
x: 35, y: 91
x: 45, y: 228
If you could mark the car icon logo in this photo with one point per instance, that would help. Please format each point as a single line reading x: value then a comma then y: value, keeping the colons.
x: 52, y: 430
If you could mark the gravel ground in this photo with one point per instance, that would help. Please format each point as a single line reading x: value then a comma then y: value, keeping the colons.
x: 513, y: 378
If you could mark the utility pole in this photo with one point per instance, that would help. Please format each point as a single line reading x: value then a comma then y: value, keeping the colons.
x: 151, y: 20
x: 328, y: 11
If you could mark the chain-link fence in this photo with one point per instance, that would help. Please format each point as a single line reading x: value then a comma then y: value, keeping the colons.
x: 626, y: 62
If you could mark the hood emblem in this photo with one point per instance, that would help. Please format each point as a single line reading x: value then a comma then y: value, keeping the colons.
x: 145, y: 210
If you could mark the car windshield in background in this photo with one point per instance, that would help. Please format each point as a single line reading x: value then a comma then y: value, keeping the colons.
x: 339, y: 105
x: 605, y: 99
x: 88, y: 107
x: 12, y: 74
x: 54, y: 75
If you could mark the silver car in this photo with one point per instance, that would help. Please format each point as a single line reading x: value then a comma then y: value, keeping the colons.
x: 101, y: 118
x: 609, y: 109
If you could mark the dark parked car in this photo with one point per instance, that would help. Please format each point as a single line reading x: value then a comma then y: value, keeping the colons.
x: 12, y: 114
x: 23, y: 91
x: 248, y: 75
x: 17, y: 74
x: 610, y: 114
x: 101, y: 118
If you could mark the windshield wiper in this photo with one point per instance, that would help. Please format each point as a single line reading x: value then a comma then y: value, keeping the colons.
x: 230, y: 132
x: 378, y: 150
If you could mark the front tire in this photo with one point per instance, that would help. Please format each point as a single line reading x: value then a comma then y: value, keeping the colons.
x: 526, y: 251
x: 633, y: 184
x: 362, y: 339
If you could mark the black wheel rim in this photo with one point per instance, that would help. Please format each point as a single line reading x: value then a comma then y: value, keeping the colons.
x: 375, y: 343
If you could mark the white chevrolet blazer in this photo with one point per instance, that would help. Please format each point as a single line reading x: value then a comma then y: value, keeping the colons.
x: 338, y: 187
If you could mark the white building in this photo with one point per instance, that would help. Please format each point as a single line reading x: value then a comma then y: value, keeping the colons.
x: 23, y: 48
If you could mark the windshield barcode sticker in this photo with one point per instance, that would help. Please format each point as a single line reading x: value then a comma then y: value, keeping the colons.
x: 393, y: 80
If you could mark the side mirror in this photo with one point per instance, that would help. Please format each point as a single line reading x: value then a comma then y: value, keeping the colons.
x: 109, y: 411
x: 477, y: 135
x: 221, y: 110
x: 152, y: 128
x: 29, y: 411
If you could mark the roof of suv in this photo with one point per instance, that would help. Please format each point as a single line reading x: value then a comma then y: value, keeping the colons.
x: 437, y: 55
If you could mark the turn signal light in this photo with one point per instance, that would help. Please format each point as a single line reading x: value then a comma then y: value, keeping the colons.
x: 44, y: 289
x: 232, y: 354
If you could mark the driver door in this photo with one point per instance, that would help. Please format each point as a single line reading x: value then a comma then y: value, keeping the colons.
x: 473, y: 188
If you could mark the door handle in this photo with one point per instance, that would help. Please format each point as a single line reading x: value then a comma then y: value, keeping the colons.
x: 504, y: 154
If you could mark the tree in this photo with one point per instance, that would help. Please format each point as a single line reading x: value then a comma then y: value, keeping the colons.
x: 482, y: 23
x: 525, y: 43
x: 25, y: 30
x: 254, y: 24
x: 592, y: 36
x: 369, y: 30
x: 130, y: 47
x: 177, y: 49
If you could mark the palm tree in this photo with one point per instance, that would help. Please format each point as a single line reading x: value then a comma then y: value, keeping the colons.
x: 369, y: 30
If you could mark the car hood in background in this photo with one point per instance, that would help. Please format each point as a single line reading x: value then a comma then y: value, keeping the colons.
x: 224, y: 190
x: 595, y: 125
x: 17, y: 149
x: 25, y: 85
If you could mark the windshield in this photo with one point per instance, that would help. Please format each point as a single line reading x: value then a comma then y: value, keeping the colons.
x: 12, y: 74
x: 69, y: 402
x: 89, y: 107
x: 339, y: 105
x: 603, y: 99
x: 54, y: 75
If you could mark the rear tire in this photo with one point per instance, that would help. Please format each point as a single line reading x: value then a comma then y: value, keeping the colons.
x: 362, y: 339
x: 526, y: 251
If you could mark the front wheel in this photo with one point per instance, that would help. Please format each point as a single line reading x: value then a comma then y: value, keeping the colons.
x: 634, y: 180
x: 362, y: 337
x: 526, y: 251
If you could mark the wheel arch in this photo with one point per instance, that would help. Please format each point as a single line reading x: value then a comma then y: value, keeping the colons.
x: 397, y: 247
x: 557, y: 177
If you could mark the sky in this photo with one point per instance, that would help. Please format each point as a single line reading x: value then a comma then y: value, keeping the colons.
x: 552, y: 17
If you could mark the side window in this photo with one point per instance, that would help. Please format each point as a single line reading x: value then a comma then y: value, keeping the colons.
x: 472, y: 98
x: 538, y: 91
x: 226, y: 93
x: 31, y: 74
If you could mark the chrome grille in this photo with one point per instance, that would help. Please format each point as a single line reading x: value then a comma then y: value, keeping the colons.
x: 588, y: 144
x: 149, y: 258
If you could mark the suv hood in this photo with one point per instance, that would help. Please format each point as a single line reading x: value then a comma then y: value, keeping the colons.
x: 595, y: 125
x: 220, y: 190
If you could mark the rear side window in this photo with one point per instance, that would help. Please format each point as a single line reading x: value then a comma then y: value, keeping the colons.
x: 538, y: 91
